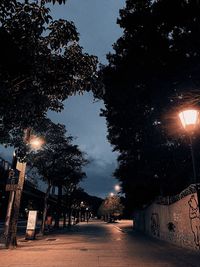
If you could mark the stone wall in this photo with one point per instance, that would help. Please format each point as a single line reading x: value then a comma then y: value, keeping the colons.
x: 175, y: 220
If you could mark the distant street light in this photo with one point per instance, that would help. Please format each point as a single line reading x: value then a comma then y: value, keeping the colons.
x: 117, y: 188
x: 190, y: 120
x: 111, y: 194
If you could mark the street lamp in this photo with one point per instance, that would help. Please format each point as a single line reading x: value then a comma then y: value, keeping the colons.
x: 10, y: 228
x: 35, y: 142
x: 189, y: 119
x: 117, y: 188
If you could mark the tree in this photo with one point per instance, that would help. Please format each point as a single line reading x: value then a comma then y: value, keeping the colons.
x: 111, y: 208
x: 55, y: 1
x: 59, y: 163
x: 79, y: 201
x: 155, y: 62
x: 71, y: 191
x: 41, y: 65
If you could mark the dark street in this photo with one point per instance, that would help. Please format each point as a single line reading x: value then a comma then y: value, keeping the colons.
x: 98, y: 244
x: 100, y: 133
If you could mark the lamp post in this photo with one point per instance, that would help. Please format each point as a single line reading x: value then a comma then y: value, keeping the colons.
x: 10, y: 201
x: 10, y: 229
x: 189, y: 119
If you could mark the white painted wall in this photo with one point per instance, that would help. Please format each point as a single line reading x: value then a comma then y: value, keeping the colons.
x: 178, y: 223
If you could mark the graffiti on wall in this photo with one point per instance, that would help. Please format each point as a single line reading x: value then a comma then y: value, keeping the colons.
x: 155, y: 225
x: 171, y: 227
x: 194, y: 219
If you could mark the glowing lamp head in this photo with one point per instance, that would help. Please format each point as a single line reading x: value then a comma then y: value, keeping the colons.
x: 36, y: 142
x: 189, y: 119
x: 117, y: 188
x: 111, y: 194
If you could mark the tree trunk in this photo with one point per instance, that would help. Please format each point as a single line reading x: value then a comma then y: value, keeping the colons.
x: 45, y: 209
x: 12, y: 235
x: 64, y: 219
x: 69, y: 213
x: 59, y: 207
x: 69, y: 217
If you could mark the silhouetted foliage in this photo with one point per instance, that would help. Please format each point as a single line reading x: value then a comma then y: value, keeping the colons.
x: 41, y: 65
x: 56, y: 1
x: 91, y: 202
x: 111, y: 207
x: 59, y: 163
x: 155, y: 62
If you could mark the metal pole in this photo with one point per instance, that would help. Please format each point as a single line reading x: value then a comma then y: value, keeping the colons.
x: 8, y: 216
x: 197, y: 188
x: 12, y: 240
x: 10, y: 205
x: 193, y: 161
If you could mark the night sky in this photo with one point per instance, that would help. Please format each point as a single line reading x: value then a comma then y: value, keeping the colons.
x: 96, y: 23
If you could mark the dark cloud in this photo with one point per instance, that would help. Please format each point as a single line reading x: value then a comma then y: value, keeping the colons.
x: 99, y: 179
x: 81, y: 117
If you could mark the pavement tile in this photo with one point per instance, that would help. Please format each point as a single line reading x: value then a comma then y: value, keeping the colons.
x: 96, y: 245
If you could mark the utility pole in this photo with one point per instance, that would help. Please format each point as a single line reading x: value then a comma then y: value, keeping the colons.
x: 12, y: 234
x: 8, y: 216
x: 15, y: 197
x: 10, y: 200
x: 15, y: 188
x: 21, y: 166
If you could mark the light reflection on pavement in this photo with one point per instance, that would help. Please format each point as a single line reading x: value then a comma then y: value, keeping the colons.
x: 97, y: 244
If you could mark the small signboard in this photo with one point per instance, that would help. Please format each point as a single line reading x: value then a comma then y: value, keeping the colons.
x: 21, y: 166
x: 31, y: 224
x: 12, y: 181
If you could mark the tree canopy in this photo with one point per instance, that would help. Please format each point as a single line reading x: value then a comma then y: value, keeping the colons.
x: 154, y: 63
x: 111, y: 206
x: 41, y: 65
x: 59, y: 162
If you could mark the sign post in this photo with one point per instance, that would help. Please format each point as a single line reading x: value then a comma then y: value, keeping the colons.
x: 12, y: 181
x: 12, y: 186
x: 31, y: 225
x: 12, y: 240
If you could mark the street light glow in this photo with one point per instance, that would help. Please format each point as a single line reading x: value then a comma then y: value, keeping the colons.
x: 36, y: 142
x: 189, y: 118
x: 111, y: 194
x: 117, y: 188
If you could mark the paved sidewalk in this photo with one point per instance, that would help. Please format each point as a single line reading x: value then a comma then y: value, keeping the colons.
x: 97, y: 244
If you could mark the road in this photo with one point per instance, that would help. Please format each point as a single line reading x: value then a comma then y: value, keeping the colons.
x: 21, y: 226
x: 98, y: 244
